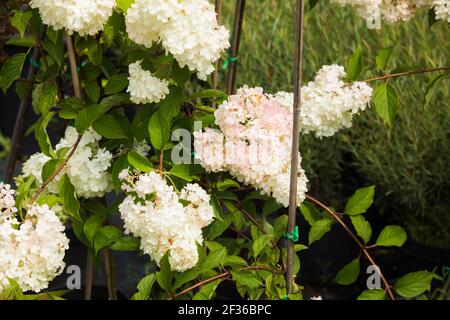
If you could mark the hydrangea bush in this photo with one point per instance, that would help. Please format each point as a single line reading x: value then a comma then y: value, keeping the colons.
x: 201, y: 190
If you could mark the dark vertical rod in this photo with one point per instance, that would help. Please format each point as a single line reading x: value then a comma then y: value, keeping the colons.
x: 235, y: 41
x: 215, y: 75
x: 19, y: 127
x: 295, y: 141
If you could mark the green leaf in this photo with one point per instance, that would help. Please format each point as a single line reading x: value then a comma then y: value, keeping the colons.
x: 362, y: 227
x: 261, y: 243
x: 144, y: 287
x: 227, y: 184
x: 120, y: 164
x: 349, y: 273
x: 355, y: 65
x: 127, y: 243
x: 105, y: 237
x: 279, y: 227
x: 170, y: 107
x: 318, y: 229
x: 270, y: 206
x: 214, y: 259
x: 208, y: 93
x: 124, y: 5
x: 116, y: 84
x: 310, y: 212
x: 360, y: 201
x: 385, y: 99
x: 165, y: 275
x: 372, y: 294
x: 159, y: 130
x: 235, y: 261
x: 207, y: 291
x: 433, y: 87
x: 185, y: 277
x: 180, y: 75
x: 92, y: 90
x: 91, y: 227
x: 44, y: 97
x: 382, y: 57
x: 139, y: 162
x: 55, y: 50
x: 246, y: 278
x: 11, y: 70
x: 391, y: 236
x: 181, y: 171
x: 26, y: 42
x: 20, y: 20
x: 68, y: 197
x: 88, y: 115
x: 107, y: 126
x: 413, y: 284
x: 431, y: 17
x: 49, y: 167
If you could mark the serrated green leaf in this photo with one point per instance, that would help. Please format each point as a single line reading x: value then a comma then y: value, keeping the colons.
x: 11, y: 70
x: 165, y: 274
x: 116, y: 84
x: 139, y: 162
x: 208, y: 93
x: 159, y: 130
x: 413, y: 284
x: 44, y: 97
x: 126, y: 243
x: 68, y: 197
x: 246, y: 278
x: 124, y: 5
x: 20, y: 20
x: 310, y: 212
x: 91, y: 227
x: 144, y: 287
x: 105, y: 237
x: 227, y: 184
x: 207, y: 291
x: 382, y: 57
x: 349, y: 273
x: 360, y: 201
x: 392, y: 236
x: 372, y: 294
x: 355, y: 65
x: 362, y: 227
x: 181, y: 171
x: 318, y: 229
x: 107, y: 126
x: 214, y: 259
x: 385, y: 99
x: 260, y: 243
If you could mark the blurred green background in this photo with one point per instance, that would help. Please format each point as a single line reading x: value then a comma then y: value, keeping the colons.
x: 408, y: 162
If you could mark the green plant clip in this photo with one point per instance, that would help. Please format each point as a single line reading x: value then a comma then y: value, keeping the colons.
x: 228, y: 60
x: 35, y: 63
x: 83, y: 64
x: 286, y: 297
x: 294, y: 236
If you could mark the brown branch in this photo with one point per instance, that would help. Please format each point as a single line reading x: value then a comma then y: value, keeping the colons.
x: 57, y: 171
x: 161, y: 160
x: 298, y: 71
x: 235, y: 41
x: 223, y: 275
x: 355, y: 238
x: 407, y: 73
x: 89, y: 277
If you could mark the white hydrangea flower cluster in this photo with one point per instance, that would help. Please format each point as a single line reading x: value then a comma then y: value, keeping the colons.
x: 163, y: 219
x: 144, y: 87
x: 328, y: 103
x: 391, y: 11
x: 31, y: 251
x: 87, y: 169
x: 7, y: 202
x: 441, y: 9
x: 188, y: 29
x: 254, y: 144
x: 87, y: 17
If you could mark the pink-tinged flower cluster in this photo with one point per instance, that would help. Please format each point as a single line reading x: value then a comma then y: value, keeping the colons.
x: 253, y: 144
